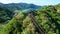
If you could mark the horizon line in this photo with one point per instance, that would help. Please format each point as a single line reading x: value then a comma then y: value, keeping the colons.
x: 29, y: 3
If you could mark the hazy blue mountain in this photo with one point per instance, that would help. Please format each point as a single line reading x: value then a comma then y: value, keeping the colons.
x: 20, y: 6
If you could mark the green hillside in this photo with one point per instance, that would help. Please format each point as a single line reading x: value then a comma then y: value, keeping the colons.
x: 48, y: 18
x: 5, y: 14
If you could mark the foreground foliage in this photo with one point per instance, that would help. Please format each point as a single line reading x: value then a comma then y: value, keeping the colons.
x: 47, y: 17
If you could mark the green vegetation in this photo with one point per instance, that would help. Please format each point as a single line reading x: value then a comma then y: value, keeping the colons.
x: 48, y: 18
x: 5, y: 14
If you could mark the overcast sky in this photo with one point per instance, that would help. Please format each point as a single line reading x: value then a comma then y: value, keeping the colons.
x: 37, y: 2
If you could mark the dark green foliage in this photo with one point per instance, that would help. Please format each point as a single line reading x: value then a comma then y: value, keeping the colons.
x: 5, y: 14
x: 47, y: 17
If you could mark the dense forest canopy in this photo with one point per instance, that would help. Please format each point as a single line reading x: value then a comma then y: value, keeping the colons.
x: 5, y: 14
x: 48, y: 18
x: 7, y: 11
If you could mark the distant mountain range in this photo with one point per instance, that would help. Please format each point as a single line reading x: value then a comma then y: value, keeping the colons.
x: 19, y: 6
x: 7, y: 10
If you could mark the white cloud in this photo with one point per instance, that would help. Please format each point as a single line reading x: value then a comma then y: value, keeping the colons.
x: 37, y: 2
x: 10, y: 1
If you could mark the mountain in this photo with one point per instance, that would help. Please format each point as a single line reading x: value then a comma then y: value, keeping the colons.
x: 7, y: 11
x: 47, y: 17
x: 19, y: 6
x: 5, y: 14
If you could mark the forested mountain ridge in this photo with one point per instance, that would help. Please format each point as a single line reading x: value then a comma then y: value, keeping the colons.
x: 7, y: 11
x: 48, y: 18
x: 19, y: 6
x: 5, y: 14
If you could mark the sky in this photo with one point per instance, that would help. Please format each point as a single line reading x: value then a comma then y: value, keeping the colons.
x: 36, y: 2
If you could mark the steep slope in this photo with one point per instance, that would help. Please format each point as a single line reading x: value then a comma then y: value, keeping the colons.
x: 47, y: 17
x: 5, y: 14
x: 7, y: 11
